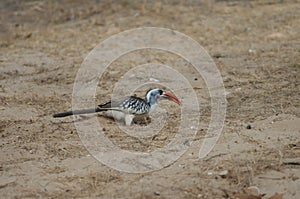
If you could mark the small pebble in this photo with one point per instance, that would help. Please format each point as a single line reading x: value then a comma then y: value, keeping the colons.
x: 253, y: 190
x: 209, y: 172
x: 224, y: 173
x: 156, y: 193
x: 248, y: 126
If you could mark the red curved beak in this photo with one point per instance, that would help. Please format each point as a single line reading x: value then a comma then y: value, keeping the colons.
x: 171, y: 97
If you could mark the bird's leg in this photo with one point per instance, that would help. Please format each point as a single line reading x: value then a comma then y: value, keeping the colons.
x: 128, y: 119
x: 147, y: 119
x: 143, y: 119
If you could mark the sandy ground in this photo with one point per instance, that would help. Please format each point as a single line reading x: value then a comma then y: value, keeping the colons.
x: 256, y: 47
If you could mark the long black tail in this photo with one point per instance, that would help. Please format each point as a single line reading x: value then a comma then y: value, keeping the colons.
x: 77, y: 112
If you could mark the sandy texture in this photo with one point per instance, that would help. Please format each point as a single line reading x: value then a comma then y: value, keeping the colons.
x: 256, y: 47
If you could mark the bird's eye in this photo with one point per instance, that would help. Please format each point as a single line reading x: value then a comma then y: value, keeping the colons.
x: 160, y: 92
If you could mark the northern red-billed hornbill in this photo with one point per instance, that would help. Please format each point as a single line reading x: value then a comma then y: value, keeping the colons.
x: 127, y: 108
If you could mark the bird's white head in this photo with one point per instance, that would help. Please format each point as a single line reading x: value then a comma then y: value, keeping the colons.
x: 154, y: 95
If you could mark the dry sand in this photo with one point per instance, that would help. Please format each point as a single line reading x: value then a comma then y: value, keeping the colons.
x: 256, y: 47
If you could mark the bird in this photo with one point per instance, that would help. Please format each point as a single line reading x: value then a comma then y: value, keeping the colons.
x: 128, y: 107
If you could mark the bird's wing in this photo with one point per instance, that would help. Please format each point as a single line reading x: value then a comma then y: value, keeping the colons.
x: 130, y: 104
x: 114, y: 104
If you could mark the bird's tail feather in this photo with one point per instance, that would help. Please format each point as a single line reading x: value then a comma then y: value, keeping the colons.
x: 77, y: 112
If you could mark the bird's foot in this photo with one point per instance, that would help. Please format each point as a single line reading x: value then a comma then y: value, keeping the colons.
x: 142, y: 120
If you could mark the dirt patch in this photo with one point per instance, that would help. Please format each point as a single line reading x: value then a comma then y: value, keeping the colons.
x: 255, y: 45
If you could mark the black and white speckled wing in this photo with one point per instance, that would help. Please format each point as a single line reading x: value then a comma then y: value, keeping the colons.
x: 131, y: 105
